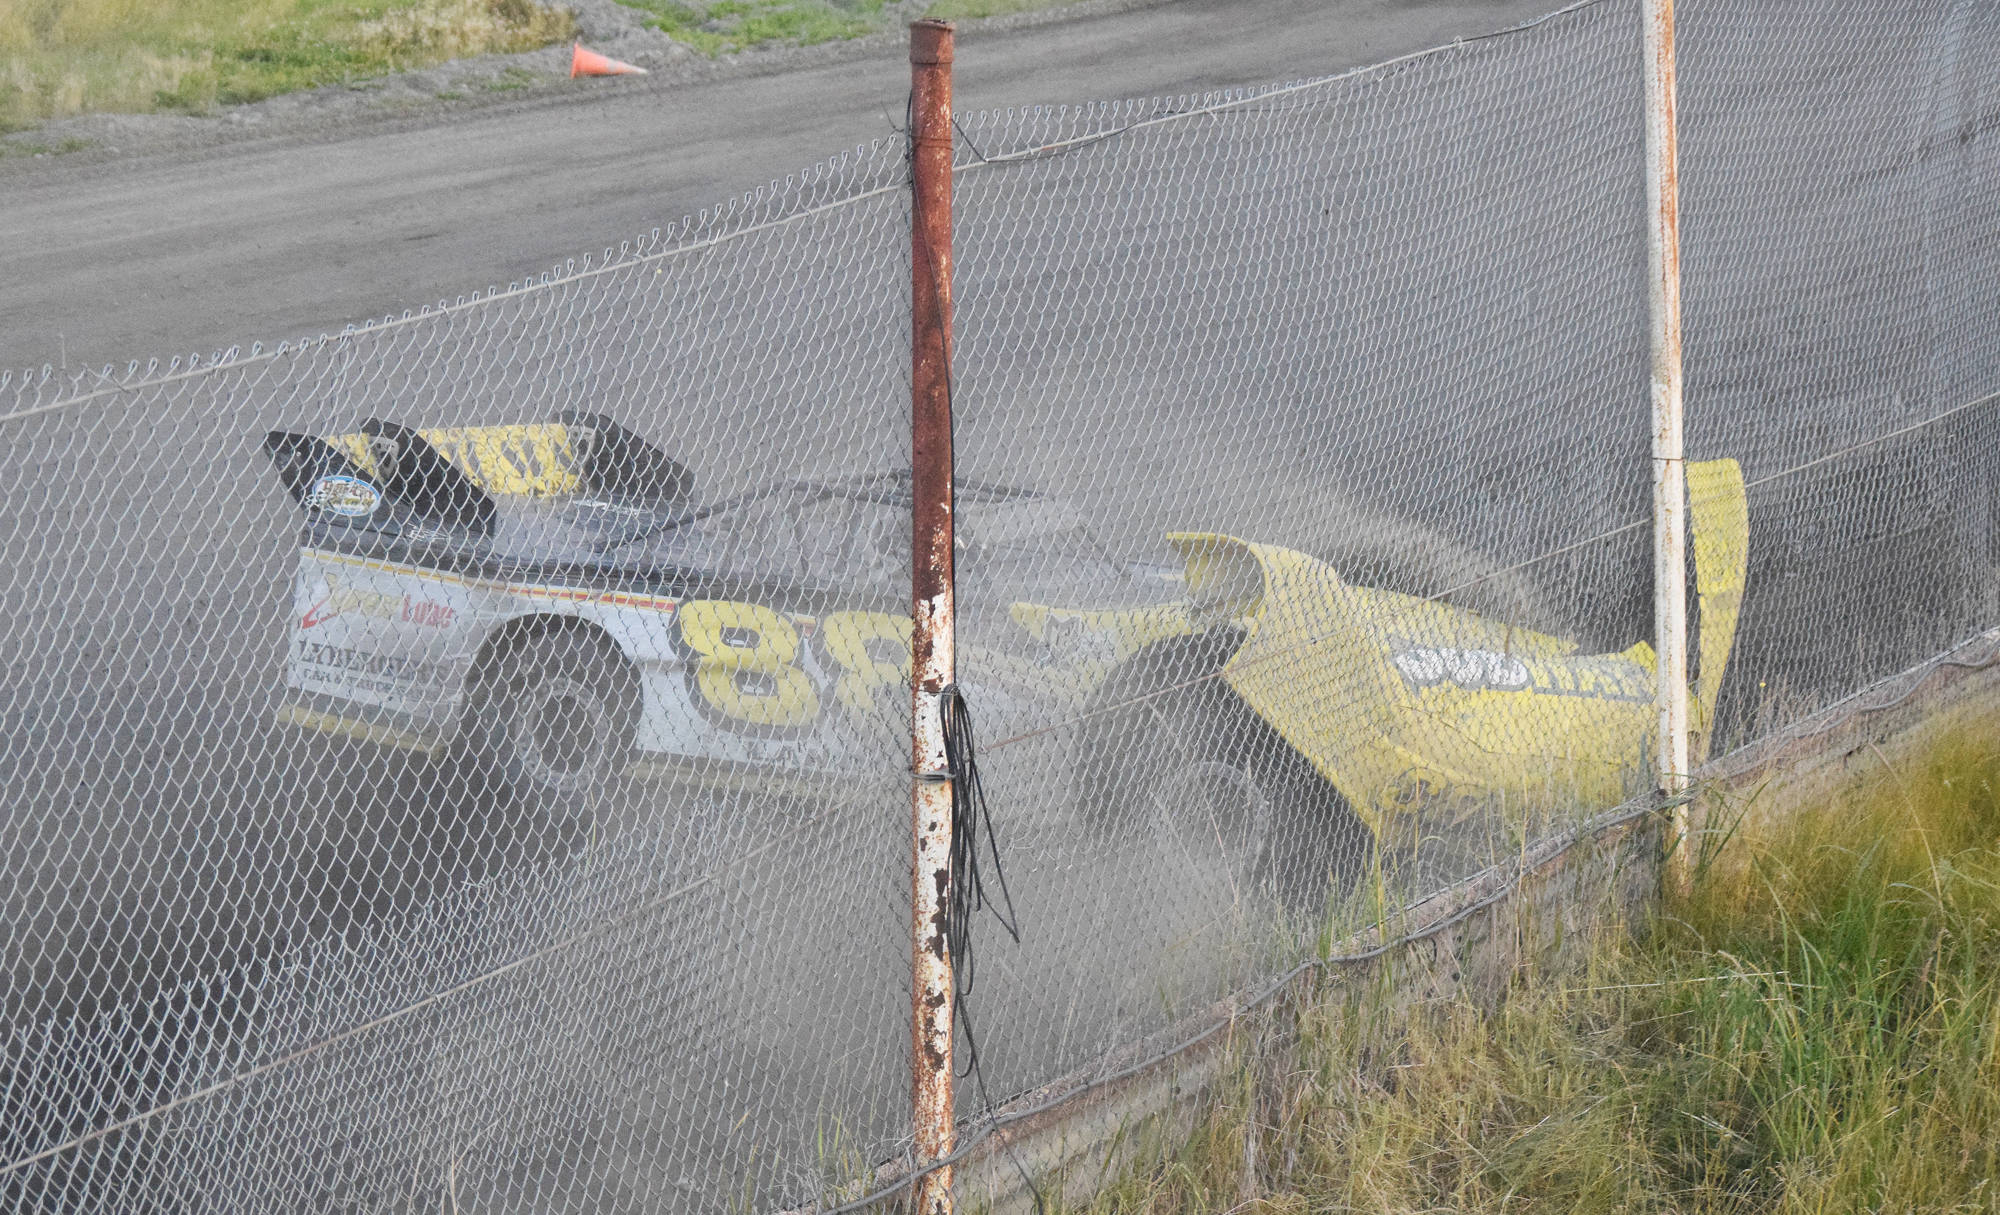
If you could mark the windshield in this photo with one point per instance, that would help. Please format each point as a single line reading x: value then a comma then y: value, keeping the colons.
x: 1040, y: 552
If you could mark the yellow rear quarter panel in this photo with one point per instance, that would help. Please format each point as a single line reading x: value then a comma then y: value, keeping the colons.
x: 1407, y: 704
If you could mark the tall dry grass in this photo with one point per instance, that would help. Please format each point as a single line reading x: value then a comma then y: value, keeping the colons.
x: 1816, y: 1029
x: 63, y: 57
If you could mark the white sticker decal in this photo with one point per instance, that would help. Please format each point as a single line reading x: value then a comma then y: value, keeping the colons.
x: 349, y: 497
x: 1473, y: 670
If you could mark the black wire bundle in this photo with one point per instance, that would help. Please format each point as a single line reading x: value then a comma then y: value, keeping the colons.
x: 970, y: 817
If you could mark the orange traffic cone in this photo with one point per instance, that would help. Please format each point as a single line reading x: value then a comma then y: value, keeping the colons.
x: 584, y: 62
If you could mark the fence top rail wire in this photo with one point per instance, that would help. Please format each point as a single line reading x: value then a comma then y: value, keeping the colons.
x: 94, y: 384
x: 569, y: 272
x: 1236, y: 99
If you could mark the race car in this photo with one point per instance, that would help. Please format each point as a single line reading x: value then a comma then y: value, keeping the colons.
x: 1299, y: 724
x: 551, y: 598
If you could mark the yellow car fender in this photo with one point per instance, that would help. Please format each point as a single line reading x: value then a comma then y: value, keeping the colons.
x: 1083, y: 646
x: 1407, y: 704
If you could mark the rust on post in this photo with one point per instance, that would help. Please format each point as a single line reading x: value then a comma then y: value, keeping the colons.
x: 1669, y: 467
x: 931, y: 640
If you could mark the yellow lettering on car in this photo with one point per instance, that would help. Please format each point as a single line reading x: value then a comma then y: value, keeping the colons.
x: 534, y: 460
x: 746, y: 665
x: 871, y: 650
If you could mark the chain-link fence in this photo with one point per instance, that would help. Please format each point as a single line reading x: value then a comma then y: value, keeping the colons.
x: 466, y: 759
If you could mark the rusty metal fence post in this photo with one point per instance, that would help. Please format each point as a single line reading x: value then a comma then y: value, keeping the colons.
x: 931, y: 641
x: 1669, y: 468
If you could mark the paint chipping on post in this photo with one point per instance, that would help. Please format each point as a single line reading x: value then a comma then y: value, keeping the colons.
x: 931, y: 642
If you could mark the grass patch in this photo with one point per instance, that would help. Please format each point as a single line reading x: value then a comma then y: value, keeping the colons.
x: 61, y: 147
x: 509, y: 81
x: 1816, y: 1029
x: 968, y: 10
x: 63, y: 57
x: 716, y: 27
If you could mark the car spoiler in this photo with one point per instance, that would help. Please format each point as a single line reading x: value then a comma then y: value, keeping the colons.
x: 613, y: 460
x: 452, y: 475
x: 385, y: 464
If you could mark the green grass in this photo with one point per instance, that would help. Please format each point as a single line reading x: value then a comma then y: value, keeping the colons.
x: 967, y: 10
x: 716, y: 27
x: 509, y: 81
x: 61, y: 147
x: 63, y: 57
x: 1816, y: 1029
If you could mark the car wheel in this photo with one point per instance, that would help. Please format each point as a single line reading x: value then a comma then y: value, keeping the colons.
x: 1207, y: 803
x: 553, y: 720
x: 1176, y: 759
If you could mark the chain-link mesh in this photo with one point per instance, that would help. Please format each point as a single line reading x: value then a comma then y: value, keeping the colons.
x: 465, y: 759
x: 1842, y: 268
x: 1322, y: 335
x: 329, y: 885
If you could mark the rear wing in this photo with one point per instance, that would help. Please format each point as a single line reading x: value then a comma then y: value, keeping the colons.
x: 452, y: 475
x: 1719, y: 507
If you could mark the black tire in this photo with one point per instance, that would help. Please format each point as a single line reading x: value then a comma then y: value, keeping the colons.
x: 1175, y: 759
x: 552, y: 719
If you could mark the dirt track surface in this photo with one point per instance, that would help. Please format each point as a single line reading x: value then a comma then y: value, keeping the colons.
x: 185, y: 251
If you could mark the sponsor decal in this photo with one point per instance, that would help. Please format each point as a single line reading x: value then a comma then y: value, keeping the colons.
x: 418, y: 531
x: 343, y: 599
x: 1474, y: 670
x: 428, y: 613
x: 1594, y: 678
x: 614, y: 508
x: 349, y: 497
x: 363, y: 671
